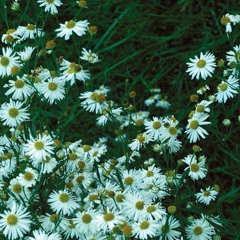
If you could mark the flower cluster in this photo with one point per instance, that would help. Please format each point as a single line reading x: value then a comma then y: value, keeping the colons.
x: 132, y: 180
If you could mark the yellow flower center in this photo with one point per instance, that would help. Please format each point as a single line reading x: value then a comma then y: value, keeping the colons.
x: 86, y: 218
x: 119, y: 198
x: 128, y: 180
x: 30, y: 27
x: 98, y: 97
x: 201, y: 63
x: 86, y: 148
x: 50, y: 1
x: 141, y: 138
x: 80, y: 179
x: 127, y: 230
x: 144, y: 225
x: 72, y: 156
x: 225, y: 20
x: 10, y: 31
x: 17, y: 188
x: 200, y: 108
x: 197, y: 230
x: 151, y: 209
x: 139, y: 122
x: 150, y: 173
x: 12, y: 219
x: 170, y: 173
x: 139, y: 205
x: 73, y: 68
x: 81, y: 164
x: 52, y: 86
x: 156, y: 125
x: 206, y: 193
x: 223, y: 87
x: 108, y: 217
x: 28, y: 176
x: 9, y: 38
x: 54, y: 217
x: 4, y: 61
x: 237, y: 56
x: 194, y: 167
x: 19, y: 83
x: 50, y: 44
x: 13, y: 112
x: 92, y: 197
x: 194, y: 124
x: 39, y: 145
x: 64, y: 197
x: 172, y: 130
x: 15, y: 70
x: 70, y: 24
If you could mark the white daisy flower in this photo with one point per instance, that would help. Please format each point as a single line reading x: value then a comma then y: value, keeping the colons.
x: 203, y: 106
x: 90, y: 236
x: 70, y: 72
x: 200, y: 229
x: 66, y: 30
x: 202, y: 66
x: 53, y: 89
x: 12, y: 114
x: 197, y: 170
x: 163, y: 103
x: 70, y: 230
x: 233, y: 56
x: 39, y: 148
x: 194, y: 129
x: 28, y: 32
x: 41, y: 235
x: 170, y: 133
x: 48, y: 164
x: 9, y: 37
x: 4, y: 144
x: 206, y: 196
x: 85, y: 221
x: 154, y: 128
x: 19, y: 190
x: 26, y: 54
x: 19, y: 88
x: 151, y: 100
x: 8, y: 60
x: 97, y: 150
x: 134, y: 204
x: 89, y: 56
x: 154, y: 212
x: 168, y: 227
x: 108, y: 115
x: 50, y: 5
x: 203, y: 89
x: 151, y: 175
x: 28, y: 178
x: 139, y: 141
x: 94, y: 101
x: 82, y: 180
x: 52, y: 222
x: 15, y: 223
x: 145, y: 229
x: 7, y: 167
x: 131, y: 179
x: 227, y: 89
x: 108, y: 220
x: 63, y: 202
